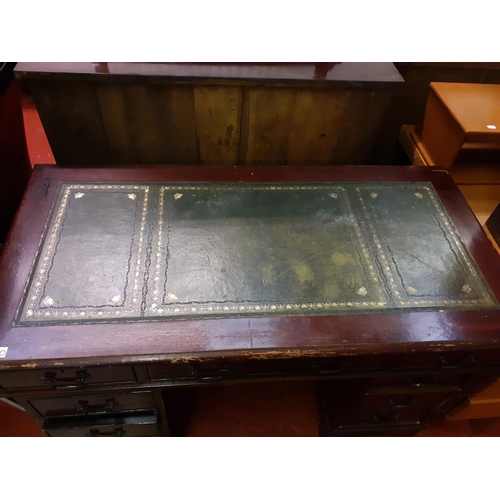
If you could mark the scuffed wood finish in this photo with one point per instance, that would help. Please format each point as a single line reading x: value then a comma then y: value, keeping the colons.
x: 217, y: 119
x: 305, y: 127
x: 270, y: 115
x: 342, y: 131
x: 211, y: 114
x: 260, y: 338
x: 72, y: 120
x: 149, y: 123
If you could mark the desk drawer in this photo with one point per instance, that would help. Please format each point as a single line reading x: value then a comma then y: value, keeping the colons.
x: 412, y: 384
x: 401, y: 401
x: 67, y: 377
x: 206, y: 371
x: 220, y: 370
x: 94, y: 403
x: 131, y: 425
x: 107, y: 431
x: 381, y: 416
x: 407, y: 429
x: 450, y: 361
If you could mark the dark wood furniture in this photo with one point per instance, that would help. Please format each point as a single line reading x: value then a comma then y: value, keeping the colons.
x: 493, y: 224
x: 15, y: 166
x: 378, y: 373
x: 210, y: 114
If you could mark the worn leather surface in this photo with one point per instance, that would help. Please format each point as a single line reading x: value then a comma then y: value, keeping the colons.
x: 136, y: 251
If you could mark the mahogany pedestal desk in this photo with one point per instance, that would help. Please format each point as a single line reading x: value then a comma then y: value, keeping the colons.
x: 121, y: 286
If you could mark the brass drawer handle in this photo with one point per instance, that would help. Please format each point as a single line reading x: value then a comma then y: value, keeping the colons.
x: 119, y: 432
x: 84, y: 407
x: 50, y: 378
x: 467, y: 360
x: 385, y: 418
x: 329, y: 369
x: 222, y: 373
x: 403, y: 404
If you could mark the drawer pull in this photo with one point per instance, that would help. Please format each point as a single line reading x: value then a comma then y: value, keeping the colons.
x: 403, y: 404
x: 222, y: 373
x: 50, y: 378
x: 119, y: 432
x: 84, y: 407
x: 386, y: 418
x: 447, y: 364
x: 422, y: 381
x: 329, y: 369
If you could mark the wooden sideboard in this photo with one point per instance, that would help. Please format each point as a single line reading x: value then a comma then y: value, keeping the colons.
x: 210, y: 114
x: 379, y: 372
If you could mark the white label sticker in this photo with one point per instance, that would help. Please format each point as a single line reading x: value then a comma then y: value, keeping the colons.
x: 3, y: 352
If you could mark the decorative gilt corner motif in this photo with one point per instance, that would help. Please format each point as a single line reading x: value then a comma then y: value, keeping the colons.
x: 419, y: 195
x: 116, y: 299
x: 132, y: 196
x: 466, y: 289
x: 171, y: 296
x: 412, y: 290
x: 362, y: 291
x: 373, y: 195
x: 79, y: 195
x: 178, y: 195
x: 48, y: 301
x: 333, y: 195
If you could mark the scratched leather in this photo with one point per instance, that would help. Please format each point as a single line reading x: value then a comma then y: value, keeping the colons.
x: 160, y: 251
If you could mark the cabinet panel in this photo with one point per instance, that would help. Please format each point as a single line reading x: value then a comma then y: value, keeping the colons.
x: 126, y: 425
x: 399, y: 401
x: 220, y: 370
x: 107, y: 431
x: 66, y: 377
x: 94, y: 403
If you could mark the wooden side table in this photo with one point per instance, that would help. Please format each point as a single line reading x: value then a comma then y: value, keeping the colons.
x: 460, y: 116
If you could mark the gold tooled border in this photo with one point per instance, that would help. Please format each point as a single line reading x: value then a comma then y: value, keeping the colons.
x: 486, y: 299
x: 32, y: 312
x: 157, y: 308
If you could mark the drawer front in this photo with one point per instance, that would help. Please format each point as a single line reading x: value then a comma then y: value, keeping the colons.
x: 94, y: 403
x: 67, y: 377
x: 410, y: 384
x: 220, y: 370
x: 381, y: 416
x: 108, y: 431
x: 401, y: 401
x: 116, y: 425
x: 449, y: 361
x: 407, y: 430
x: 361, y: 365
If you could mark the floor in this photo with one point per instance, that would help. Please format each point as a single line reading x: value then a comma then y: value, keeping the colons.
x: 270, y: 409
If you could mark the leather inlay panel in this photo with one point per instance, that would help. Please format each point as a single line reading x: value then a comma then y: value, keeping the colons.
x: 157, y: 251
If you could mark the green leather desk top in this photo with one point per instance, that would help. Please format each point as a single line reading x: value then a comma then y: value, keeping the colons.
x: 115, y: 252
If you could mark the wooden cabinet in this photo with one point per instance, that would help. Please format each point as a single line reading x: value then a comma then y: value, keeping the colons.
x: 210, y: 114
